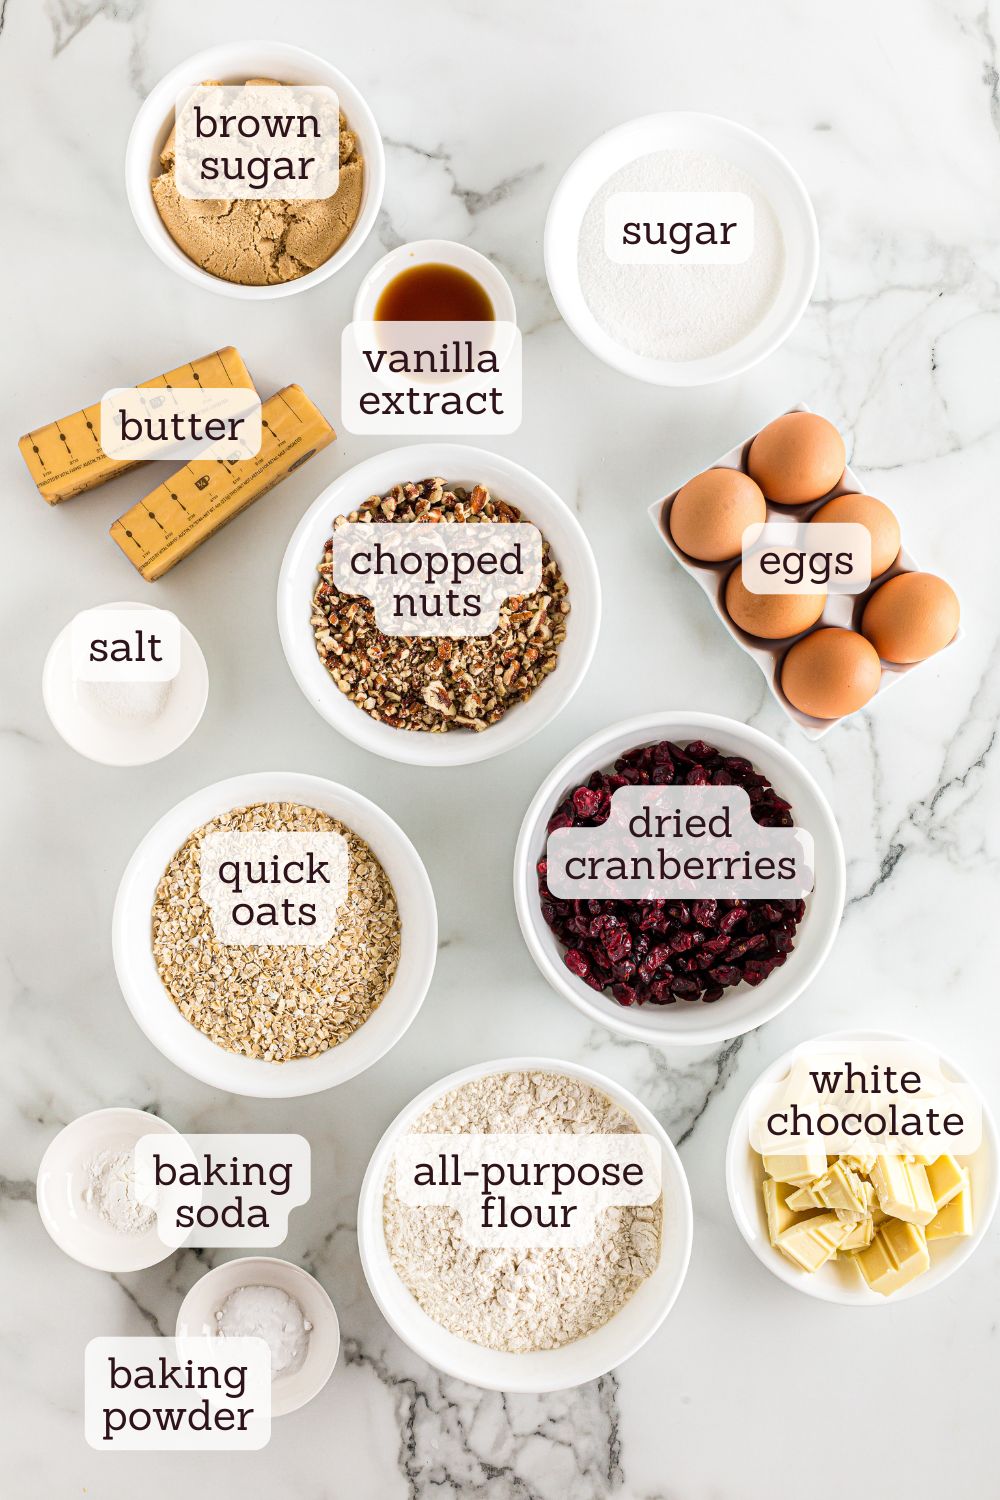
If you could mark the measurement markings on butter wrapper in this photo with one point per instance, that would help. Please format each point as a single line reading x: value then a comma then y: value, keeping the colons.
x: 205, y: 494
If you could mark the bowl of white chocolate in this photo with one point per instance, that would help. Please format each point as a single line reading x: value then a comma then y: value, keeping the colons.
x: 867, y: 1226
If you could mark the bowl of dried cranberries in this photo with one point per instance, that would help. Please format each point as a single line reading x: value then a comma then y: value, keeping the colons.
x: 682, y: 971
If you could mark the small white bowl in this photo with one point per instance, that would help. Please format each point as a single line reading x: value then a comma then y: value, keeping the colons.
x: 183, y: 1043
x: 435, y: 252
x: 683, y: 131
x: 128, y: 742
x: 196, y: 1319
x: 77, y: 1228
x: 457, y: 464
x: 743, y: 1007
x: 546, y: 1369
x: 838, y: 1281
x: 235, y: 62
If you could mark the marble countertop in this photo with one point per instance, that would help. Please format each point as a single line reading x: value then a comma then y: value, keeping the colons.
x: 892, y: 116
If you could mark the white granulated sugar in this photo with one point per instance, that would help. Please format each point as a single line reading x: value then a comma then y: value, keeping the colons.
x: 511, y: 1298
x: 680, y: 312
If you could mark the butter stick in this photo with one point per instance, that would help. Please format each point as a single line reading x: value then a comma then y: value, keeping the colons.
x: 196, y: 501
x: 65, y: 458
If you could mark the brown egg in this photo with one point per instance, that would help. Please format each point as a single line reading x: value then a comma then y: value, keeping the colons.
x: 830, y: 673
x: 911, y: 617
x: 770, y: 616
x: 872, y: 514
x: 797, y: 458
x: 711, y: 512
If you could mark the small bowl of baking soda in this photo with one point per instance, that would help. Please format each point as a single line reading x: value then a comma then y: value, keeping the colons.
x: 681, y: 248
x: 89, y: 1198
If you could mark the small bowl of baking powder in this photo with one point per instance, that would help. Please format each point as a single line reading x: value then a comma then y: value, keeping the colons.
x: 681, y: 319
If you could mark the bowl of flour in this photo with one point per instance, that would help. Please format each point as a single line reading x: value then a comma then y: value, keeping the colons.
x: 686, y: 301
x: 516, y: 1318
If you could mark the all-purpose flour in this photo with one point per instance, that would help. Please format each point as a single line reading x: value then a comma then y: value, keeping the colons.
x: 521, y: 1299
x: 680, y: 312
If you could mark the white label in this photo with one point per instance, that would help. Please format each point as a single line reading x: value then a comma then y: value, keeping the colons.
x: 890, y: 1098
x: 139, y: 423
x: 266, y: 887
x: 211, y: 1190
x: 257, y: 141
x: 434, y: 378
x: 164, y: 1393
x: 669, y: 842
x: 693, y: 229
x: 125, y: 645
x: 807, y: 557
x: 448, y: 579
x: 528, y: 1190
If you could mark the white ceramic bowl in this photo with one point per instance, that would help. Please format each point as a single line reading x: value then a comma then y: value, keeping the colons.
x: 424, y: 252
x: 457, y: 464
x: 196, y: 1319
x: 683, y: 131
x: 77, y: 1228
x: 126, y: 742
x: 743, y: 1007
x: 235, y: 62
x: 547, y: 1369
x: 837, y: 1281
x: 183, y: 1043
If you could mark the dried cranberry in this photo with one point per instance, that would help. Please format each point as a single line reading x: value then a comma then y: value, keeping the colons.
x: 658, y: 952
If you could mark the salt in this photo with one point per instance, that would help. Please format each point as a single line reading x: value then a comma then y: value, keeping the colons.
x: 681, y: 312
x: 128, y: 702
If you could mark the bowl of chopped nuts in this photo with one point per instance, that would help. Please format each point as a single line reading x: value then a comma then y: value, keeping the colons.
x: 261, y: 1008
x: 444, y: 699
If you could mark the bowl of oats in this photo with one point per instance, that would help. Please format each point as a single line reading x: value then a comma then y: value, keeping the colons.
x: 452, y: 697
x: 274, y: 934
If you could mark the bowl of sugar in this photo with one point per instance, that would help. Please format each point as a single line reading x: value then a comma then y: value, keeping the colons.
x: 681, y: 248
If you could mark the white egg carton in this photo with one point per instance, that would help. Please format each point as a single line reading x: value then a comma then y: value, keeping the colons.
x: 844, y: 610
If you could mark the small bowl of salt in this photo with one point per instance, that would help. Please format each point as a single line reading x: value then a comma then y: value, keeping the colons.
x: 260, y: 1296
x: 681, y: 248
x: 89, y: 1198
x: 123, y: 723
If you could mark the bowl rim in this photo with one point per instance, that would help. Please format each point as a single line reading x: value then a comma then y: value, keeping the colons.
x: 196, y: 1054
x: 279, y: 1408
x: 814, y: 1286
x: 54, y: 1227
x: 710, y: 369
x: 682, y: 1227
x: 412, y: 747
x: 629, y: 1021
x: 149, y: 123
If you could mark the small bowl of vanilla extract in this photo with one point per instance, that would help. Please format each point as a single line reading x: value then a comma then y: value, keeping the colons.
x: 434, y: 281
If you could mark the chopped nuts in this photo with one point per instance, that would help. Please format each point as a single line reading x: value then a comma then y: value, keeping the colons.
x: 276, y: 1002
x: 434, y: 683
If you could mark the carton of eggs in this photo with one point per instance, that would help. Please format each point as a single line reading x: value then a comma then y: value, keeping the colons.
x: 824, y: 655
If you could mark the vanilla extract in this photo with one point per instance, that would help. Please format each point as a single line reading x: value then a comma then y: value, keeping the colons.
x: 452, y: 357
